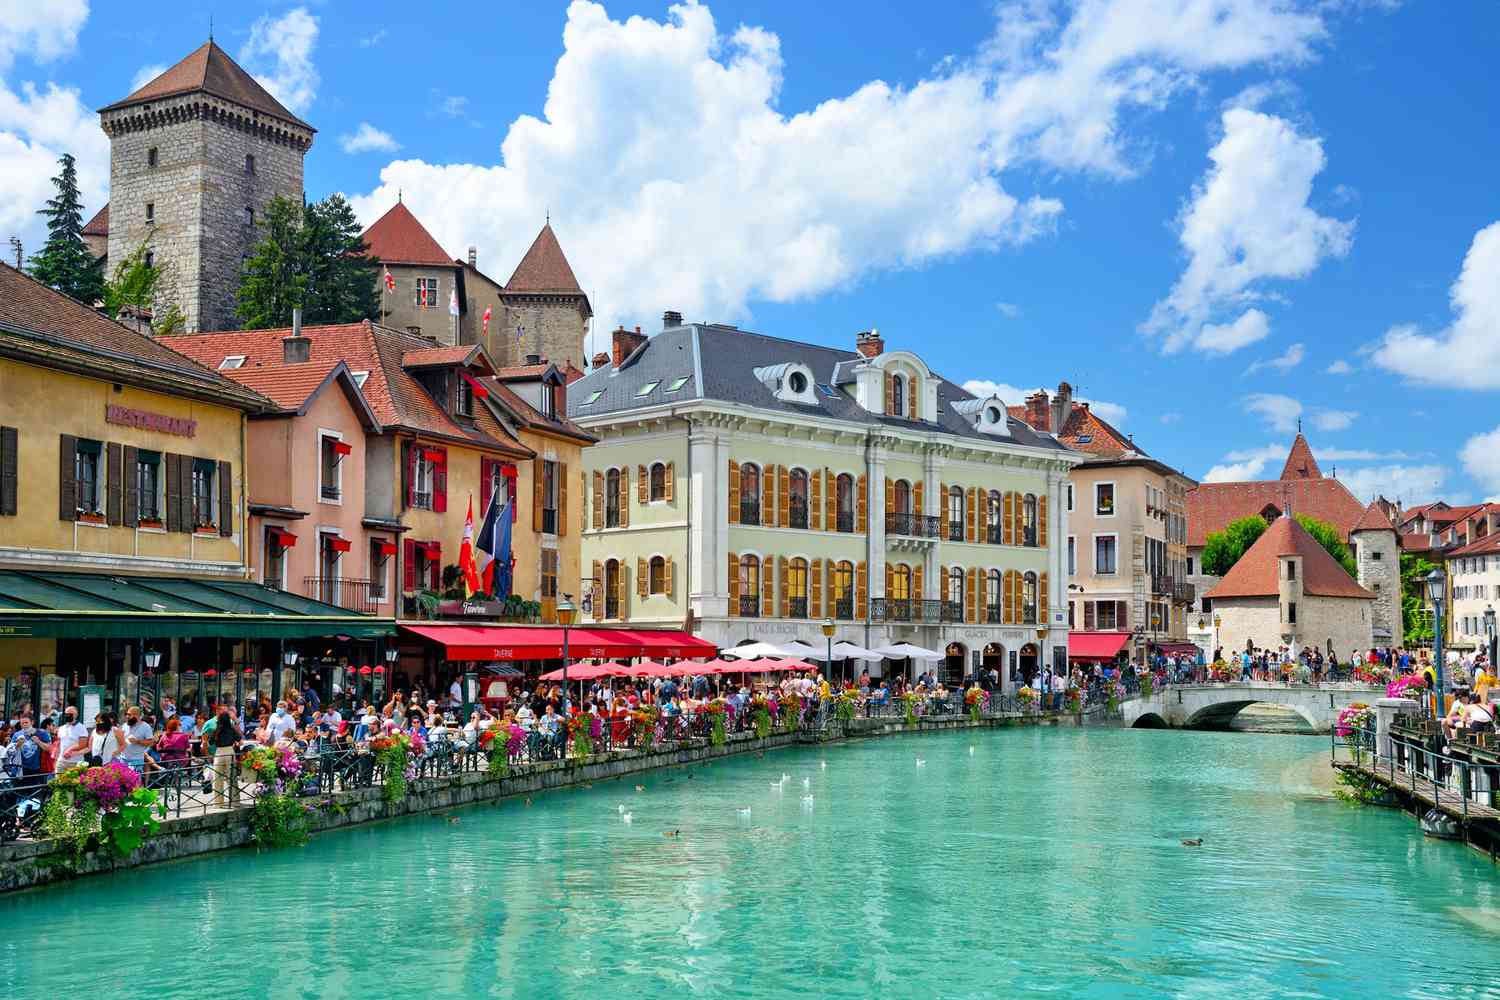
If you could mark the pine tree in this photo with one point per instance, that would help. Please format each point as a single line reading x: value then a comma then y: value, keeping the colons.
x: 311, y: 257
x: 65, y: 262
x: 274, y: 280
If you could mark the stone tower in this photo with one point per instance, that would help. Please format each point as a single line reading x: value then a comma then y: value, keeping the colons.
x: 195, y: 155
x: 544, y: 301
x: 1377, y: 556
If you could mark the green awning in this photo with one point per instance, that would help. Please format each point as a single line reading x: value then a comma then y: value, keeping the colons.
x: 98, y: 606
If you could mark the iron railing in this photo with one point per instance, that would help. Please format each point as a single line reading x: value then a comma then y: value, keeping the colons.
x: 844, y: 521
x: 796, y: 607
x: 993, y: 534
x: 843, y: 609
x: 955, y: 531
x: 749, y: 605
x: 749, y: 511
x: 897, y: 609
x: 1184, y: 593
x: 797, y: 516
x: 364, y: 596
x: 912, y: 525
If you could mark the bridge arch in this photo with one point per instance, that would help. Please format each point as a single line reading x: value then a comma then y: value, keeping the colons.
x: 1224, y: 711
x: 1149, y: 720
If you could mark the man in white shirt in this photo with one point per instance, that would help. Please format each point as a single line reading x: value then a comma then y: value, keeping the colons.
x: 138, y: 736
x: 69, y: 733
x: 280, y: 723
x: 455, y: 693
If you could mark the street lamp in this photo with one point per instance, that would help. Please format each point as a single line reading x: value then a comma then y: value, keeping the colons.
x: 567, y: 613
x: 828, y: 639
x: 1435, y: 594
x: 153, y: 656
x: 1489, y: 631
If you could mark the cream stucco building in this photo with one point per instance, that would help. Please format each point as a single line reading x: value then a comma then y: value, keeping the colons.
x: 750, y: 487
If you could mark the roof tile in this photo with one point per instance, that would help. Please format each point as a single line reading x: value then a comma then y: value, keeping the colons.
x: 1258, y: 570
x: 209, y: 69
x: 398, y: 238
x: 544, y: 269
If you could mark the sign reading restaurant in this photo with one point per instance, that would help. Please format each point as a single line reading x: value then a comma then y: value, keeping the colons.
x: 146, y: 420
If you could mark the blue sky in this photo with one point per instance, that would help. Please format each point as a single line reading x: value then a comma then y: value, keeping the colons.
x: 1213, y: 217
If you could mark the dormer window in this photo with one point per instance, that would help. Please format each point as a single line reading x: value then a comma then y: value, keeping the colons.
x: 464, y: 404
x: 797, y: 382
x: 898, y: 395
x: 789, y: 381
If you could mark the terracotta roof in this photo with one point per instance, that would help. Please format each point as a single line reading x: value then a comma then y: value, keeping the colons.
x: 544, y: 269
x: 1300, y: 463
x: 529, y: 416
x: 99, y: 224
x: 394, y: 395
x: 1416, y: 543
x: 1373, y: 519
x: 1489, y: 543
x: 1257, y: 572
x: 1102, y: 437
x: 53, y: 329
x: 1450, y: 515
x: 436, y: 357
x: 522, y: 372
x: 398, y: 238
x: 1211, y: 506
x: 209, y: 69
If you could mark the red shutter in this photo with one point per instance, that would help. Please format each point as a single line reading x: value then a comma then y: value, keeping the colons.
x: 439, y: 458
x: 409, y: 565
x: 435, y: 565
x: 486, y: 477
x: 411, y: 473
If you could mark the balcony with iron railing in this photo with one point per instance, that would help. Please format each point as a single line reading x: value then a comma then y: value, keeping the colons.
x: 363, y: 596
x: 796, y: 607
x: 843, y: 609
x: 992, y: 534
x: 993, y: 614
x: 908, y: 610
x: 750, y: 512
x: 797, y: 512
x: 1184, y: 593
x: 1161, y: 584
x: 955, y: 531
x: 845, y: 521
x: 749, y: 605
x: 912, y: 525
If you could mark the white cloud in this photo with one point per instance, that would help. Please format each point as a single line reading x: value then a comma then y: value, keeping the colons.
x: 367, y: 138
x: 1481, y: 458
x: 453, y: 105
x: 1408, y: 482
x: 1265, y: 461
x: 1279, y: 412
x: 1466, y: 355
x: 1230, y: 337
x: 1334, y: 420
x: 145, y: 75
x: 1285, y: 362
x: 793, y: 205
x: 1008, y: 309
x: 1249, y: 221
x: 279, y: 53
x: 1359, y: 455
x: 39, y: 124
x: 1246, y: 464
x: 1339, y: 367
x: 370, y: 41
x: 1013, y: 396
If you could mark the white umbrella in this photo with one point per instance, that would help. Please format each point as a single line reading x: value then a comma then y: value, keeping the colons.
x: 756, y: 650
x: 844, y: 650
x: 803, y: 649
x: 905, y: 651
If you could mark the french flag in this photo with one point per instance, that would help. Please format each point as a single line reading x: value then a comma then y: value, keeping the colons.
x: 493, y: 545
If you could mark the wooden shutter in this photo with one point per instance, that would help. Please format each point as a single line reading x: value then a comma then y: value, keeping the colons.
x: 114, y: 479
x: 562, y: 498
x: 912, y: 388
x: 830, y: 501
x: 1122, y: 616
x: 890, y: 578
x: 409, y: 565
x: 642, y: 577
x: 642, y: 485
x: 173, y: 475
x: 734, y: 492
x: 1088, y: 616
x: 942, y: 511
x: 783, y: 496
x: 1005, y: 599
x: 971, y: 597
x: 537, y: 496
x: 861, y: 589
x: 885, y: 400
x: 1041, y: 600
x: 861, y: 510
x: 67, y: 486
x: 669, y: 488
x: 1007, y: 536
x: 916, y: 499
x: 734, y: 585
x: 669, y: 568
x: 9, y: 470
x: 767, y: 587
x: 622, y: 593
x: 408, y: 475
x: 1041, y: 520
x: 971, y: 515
x: 226, y: 499
x: 130, y: 514
x: 439, y: 459
x: 815, y: 589
x: 624, y: 500
x: 815, y: 500
x: 598, y: 500
x: 917, y: 593
x: 1018, y: 510
x: 486, y: 482
x: 185, y: 476
x: 782, y: 576
x: 597, y: 589
x: 890, y: 495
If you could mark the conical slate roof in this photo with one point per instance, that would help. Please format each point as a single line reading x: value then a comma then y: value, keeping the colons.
x: 1373, y: 519
x: 544, y: 270
x: 398, y: 238
x: 1300, y: 463
x: 1257, y: 572
x: 209, y: 69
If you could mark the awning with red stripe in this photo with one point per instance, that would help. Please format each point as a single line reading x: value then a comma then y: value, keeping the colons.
x: 338, y: 544
x: 341, y: 448
x: 512, y: 642
x: 1096, y: 645
x: 384, y: 549
x: 282, y: 539
x: 676, y: 644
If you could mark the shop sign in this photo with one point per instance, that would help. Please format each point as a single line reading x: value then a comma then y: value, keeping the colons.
x: 148, y: 421
x: 472, y: 609
x: 12, y: 631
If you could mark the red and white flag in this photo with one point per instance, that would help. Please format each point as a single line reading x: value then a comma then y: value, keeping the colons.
x: 390, y: 282
x: 453, y: 302
x: 486, y: 321
x: 472, y: 582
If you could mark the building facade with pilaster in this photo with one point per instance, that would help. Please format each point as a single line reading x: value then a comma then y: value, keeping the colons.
x: 749, y: 487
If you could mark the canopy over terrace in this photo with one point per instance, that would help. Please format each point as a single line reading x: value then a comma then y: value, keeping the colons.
x: 1100, y: 647
x: 506, y: 642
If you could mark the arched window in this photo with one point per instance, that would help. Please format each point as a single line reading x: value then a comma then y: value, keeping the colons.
x: 992, y: 514
x: 1028, y: 599
x: 898, y: 395
x: 900, y: 583
x: 658, y: 575
x: 612, y: 498
x: 903, y: 496
x: 1028, y: 509
x: 992, y: 610
x: 846, y: 502
x: 749, y: 493
x: 612, y: 589
x: 955, y: 514
x: 796, y: 588
x: 658, y: 481
x: 749, y: 586
x: 843, y: 590
x: 953, y: 593
x: 797, y: 503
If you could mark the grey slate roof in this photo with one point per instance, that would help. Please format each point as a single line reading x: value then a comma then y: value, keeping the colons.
x: 720, y: 362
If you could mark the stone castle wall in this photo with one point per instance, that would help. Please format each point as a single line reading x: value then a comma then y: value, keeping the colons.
x: 400, y: 309
x: 1379, y: 565
x: 553, y: 326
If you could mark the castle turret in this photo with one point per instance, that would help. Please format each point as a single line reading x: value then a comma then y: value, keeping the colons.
x: 1377, y: 556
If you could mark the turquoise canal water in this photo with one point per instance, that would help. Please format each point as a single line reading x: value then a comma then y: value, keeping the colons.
x: 1009, y: 862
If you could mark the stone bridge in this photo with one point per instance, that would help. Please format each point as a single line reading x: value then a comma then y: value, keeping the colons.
x: 1188, y: 705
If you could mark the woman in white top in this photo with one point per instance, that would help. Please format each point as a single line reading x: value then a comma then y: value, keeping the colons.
x: 525, y: 718
x: 106, y: 741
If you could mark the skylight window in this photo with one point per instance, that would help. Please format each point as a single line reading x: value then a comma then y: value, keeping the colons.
x: 828, y: 390
x: 359, y: 378
x: 593, y: 397
x: 231, y: 361
x: 646, y: 389
x: 1085, y: 438
x: 677, y: 383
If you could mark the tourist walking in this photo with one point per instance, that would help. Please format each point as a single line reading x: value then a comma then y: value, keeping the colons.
x: 225, y: 738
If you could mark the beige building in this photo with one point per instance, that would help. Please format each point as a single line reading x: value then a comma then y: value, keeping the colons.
x: 748, y: 487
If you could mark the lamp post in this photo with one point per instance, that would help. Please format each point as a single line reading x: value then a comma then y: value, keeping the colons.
x: 1435, y: 594
x: 567, y: 613
x: 828, y: 640
x: 1489, y: 632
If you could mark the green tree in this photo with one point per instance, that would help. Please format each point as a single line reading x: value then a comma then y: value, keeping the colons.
x: 65, y: 262
x: 1222, y: 549
x: 1416, y: 622
x: 1328, y: 537
x: 310, y: 256
x: 132, y: 290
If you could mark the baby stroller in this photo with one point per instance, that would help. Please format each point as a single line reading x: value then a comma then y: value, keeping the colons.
x: 21, y: 799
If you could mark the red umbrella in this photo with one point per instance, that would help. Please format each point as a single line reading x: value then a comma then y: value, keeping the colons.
x: 366, y: 670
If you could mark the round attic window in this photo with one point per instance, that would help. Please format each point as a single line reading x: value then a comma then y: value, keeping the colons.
x: 797, y: 382
x: 992, y: 414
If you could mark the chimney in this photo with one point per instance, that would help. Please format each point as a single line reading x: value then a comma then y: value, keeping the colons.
x: 601, y: 360
x: 671, y: 318
x: 295, y: 349
x: 474, y: 257
x: 623, y: 343
x: 1062, y: 407
x: 1038, y: 412
x: 869, y: 343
